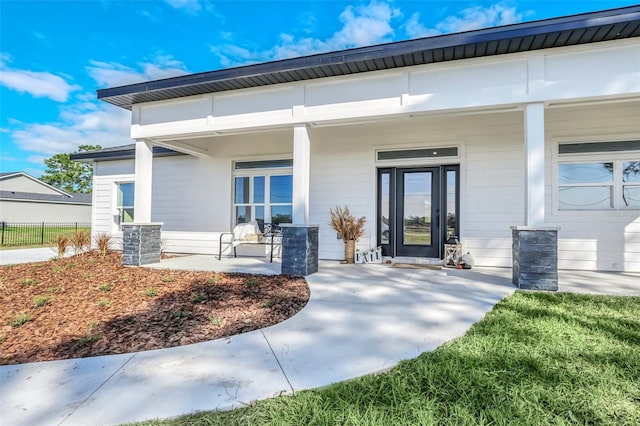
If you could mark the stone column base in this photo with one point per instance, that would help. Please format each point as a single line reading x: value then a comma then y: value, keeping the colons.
x: 299, y: 249
x: 535, y: 257
x: 140, y: 243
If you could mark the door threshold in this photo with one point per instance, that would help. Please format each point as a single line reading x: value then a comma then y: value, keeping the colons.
x: 417, y: 260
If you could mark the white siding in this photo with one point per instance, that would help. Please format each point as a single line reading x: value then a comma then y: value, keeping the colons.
x: 109, y: 168
x: 600, y: 240
x: 24, y: 184
x: 343, y: 172
x: 191, y: 196
x: 474, y: 104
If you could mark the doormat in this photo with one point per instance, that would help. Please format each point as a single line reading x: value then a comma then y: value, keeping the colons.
x: 416, y: 266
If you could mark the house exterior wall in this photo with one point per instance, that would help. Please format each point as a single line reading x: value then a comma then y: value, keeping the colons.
x: 343, y: 172
x: 39, y: 211
x: 24, y: 184
x: 593, y: 240
x: 476, y: 105
x: 188, y: 226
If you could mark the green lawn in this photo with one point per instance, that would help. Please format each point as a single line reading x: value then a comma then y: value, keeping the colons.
x: 536, y: 359
x: 35, y: 235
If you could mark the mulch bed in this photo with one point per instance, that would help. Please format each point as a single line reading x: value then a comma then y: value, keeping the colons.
x: 91, y: 305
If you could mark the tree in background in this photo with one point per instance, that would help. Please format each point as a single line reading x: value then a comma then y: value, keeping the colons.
x: 68, y: 175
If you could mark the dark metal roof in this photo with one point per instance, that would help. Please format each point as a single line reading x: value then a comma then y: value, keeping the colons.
x: 572, y: 30
x: 51, y: 198
x: 124, y: 152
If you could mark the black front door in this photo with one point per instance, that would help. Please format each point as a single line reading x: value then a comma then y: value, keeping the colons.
x: 417, y: 209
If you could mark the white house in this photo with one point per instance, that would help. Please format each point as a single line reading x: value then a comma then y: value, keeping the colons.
x: 534, y: 124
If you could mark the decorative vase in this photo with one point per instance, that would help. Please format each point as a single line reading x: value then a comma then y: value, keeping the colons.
x: 349, y: 251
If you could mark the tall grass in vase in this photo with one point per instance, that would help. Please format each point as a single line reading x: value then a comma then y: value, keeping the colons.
x: 348, y: 228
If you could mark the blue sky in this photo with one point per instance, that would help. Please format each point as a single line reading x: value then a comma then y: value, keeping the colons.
x: 55, y: 54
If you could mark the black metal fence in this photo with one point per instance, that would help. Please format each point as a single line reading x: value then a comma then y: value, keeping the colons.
x: 36, y: 233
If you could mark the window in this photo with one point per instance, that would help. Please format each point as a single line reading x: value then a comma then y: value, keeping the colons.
x: 263, y: 194
x: 599, y: 176
x: 585, y: 186
x: 631, y: 184
x: 125, y: 192
x: 409, y: 154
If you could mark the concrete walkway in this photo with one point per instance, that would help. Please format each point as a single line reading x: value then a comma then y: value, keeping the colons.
x: 40, y: 254
x: 359, y: 320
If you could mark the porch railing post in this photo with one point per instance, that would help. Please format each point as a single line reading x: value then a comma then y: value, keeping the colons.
x: 42, y: 234
x: 3, y: 225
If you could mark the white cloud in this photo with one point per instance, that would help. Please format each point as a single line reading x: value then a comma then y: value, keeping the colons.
x: 37, y: 84
x: 81, y: 124
x: 111, y: 74
x: 190, y: 6
x: 361, y: 26
x: 471, y: 18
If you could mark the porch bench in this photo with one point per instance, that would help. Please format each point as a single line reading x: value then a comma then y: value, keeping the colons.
x: 270, y: 235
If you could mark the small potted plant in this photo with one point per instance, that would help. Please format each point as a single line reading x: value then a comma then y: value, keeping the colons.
x: 349, y: 229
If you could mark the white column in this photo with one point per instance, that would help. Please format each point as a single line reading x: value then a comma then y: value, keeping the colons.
x: 534, y: 168
x: 142, y: 194
x: 301, y: 162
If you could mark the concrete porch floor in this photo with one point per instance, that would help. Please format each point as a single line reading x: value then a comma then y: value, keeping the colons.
x: 610, y: 283
x: 360, y: 319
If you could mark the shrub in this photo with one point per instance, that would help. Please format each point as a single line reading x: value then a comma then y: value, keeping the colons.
x: 80, y: 241
x: 103, y: 242
x: 62, y: 243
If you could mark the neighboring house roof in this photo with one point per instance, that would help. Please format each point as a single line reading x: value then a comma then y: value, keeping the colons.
x: 124, y: 152
x: 12, y: 175
x: 572, y: 30
x: 30, y: 196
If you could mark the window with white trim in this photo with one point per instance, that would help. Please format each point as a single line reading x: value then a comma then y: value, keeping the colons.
x: 263, y: 191
x: 124, y: 203
x: 599, y: 176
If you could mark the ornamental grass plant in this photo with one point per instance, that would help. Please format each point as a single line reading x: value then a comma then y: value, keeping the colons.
x: 349, y: 229
x: 347, y: 226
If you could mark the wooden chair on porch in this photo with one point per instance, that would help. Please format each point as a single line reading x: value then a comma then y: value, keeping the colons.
x: 251, y: 234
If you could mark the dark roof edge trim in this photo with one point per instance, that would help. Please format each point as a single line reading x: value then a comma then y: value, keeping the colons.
x: 126, y: 153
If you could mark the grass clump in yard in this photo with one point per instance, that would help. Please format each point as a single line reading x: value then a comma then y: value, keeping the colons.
x: 40, y: 301
x: 536, y: 359
x: 29, y: 281
x: 21, y: 319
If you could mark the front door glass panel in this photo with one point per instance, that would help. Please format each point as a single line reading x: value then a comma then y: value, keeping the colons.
x: 385, y: 186
x: 452, y: 208
x: 417, y: 209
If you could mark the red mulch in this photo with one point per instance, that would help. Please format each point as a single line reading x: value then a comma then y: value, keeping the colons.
x: 97, y: 307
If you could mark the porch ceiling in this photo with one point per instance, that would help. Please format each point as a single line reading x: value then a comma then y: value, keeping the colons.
x: 586, y: 28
